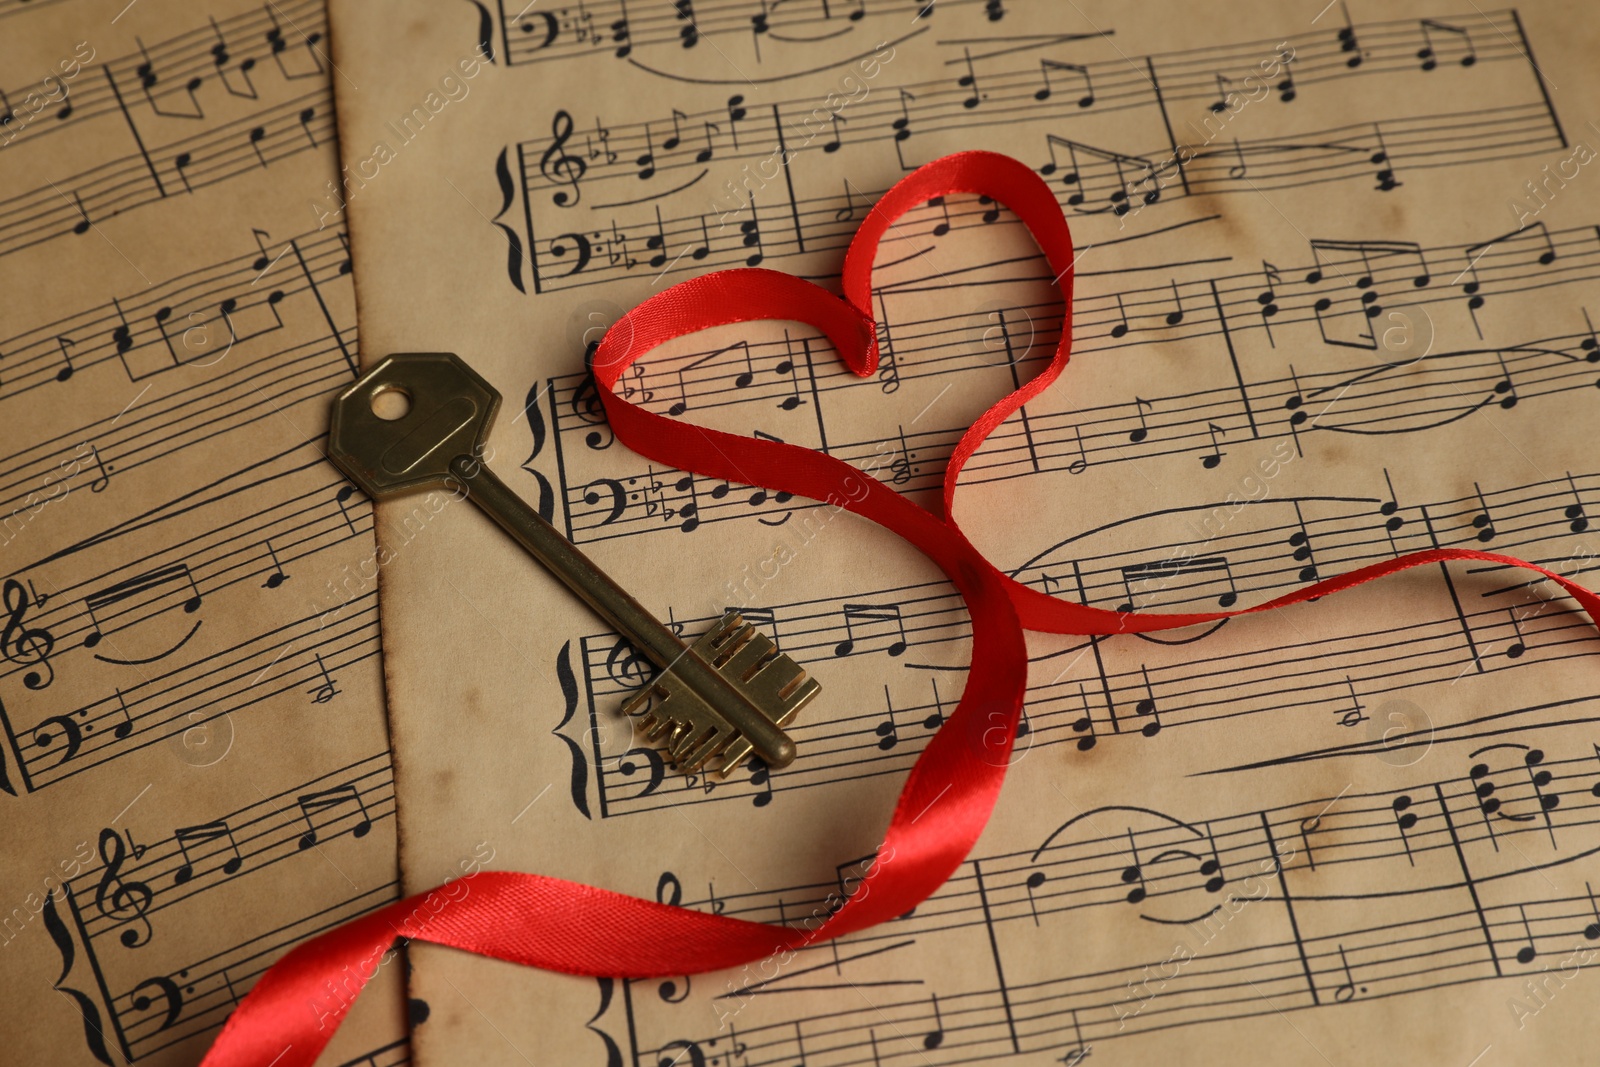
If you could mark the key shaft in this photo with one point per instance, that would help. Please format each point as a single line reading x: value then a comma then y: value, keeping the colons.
x: 619, y: 608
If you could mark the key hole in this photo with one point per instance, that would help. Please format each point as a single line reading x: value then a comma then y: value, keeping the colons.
x: 390, y: 403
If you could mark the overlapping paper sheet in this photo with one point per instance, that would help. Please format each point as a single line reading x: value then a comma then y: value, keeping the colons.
x: 194, y: 766
x: 1335, y: 289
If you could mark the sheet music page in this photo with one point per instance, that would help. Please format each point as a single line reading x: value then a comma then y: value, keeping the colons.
x: 195, y: 761
x: 1335, y: 301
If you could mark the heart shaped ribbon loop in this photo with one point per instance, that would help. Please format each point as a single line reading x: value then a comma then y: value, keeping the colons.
x: 1005, y: 181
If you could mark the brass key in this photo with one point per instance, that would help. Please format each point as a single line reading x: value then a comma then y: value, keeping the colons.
x: 728, y: 693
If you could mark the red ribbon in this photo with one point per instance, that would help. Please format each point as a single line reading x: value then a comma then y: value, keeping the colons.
x: 947, y: 799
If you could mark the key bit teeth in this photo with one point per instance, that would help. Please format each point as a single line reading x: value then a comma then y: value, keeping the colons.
x: 694, y: 733
x: 702, y: 749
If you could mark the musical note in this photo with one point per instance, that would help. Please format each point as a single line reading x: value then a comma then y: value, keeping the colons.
x: 1081, y: 464
x: 1404, y: 820
x: 181, y: 168
x: 1048, y: 65
x: 689, y: 34
x: 1347, y: 38
x: 677, y: 131
x: 1474, y: 253
x: 1223, y: 92
x: 703, y: 249
x: 326, y: 691
x: 760, y: 778
x: 1121, y: 328
x: 1385, y: 175
x: 935, y: 1037
x: 1241, y: 168
x: 1084, y: 724
x: 205, y: 834
x: 1483, y: 789
x: 751, y: 229
x: 97, y: 602
x: 1286, y: 89
x: 1134, y: 872
x: 1212, y: 868
x: 1211, y: 459
x: 1529, y: 952
x: 1175, y: 316
x: 657, y: 243
x: 1505, y: 387
x: 1119, y: 200
x: 124, y: 728
x: 705, y: 154
x: 262, y: 261
x: 1326, y: 253
x: 1168, y: 569
x: 902, y: 125
x: 833, y: 144
x: 943, y: 226
x: 1574, y: 511
x: 1300, y: 542
x: 341, y: 498
x: 620, y: 35
x: 787, y: 367
x: 258, y: 135
x: 1356, y: 714
x: 1591, y: 344
x: 1430, y: 58
x: 647, y: 160
x: 1307, y: 828
x: 935, y: 718
x: 67, y: 370
x: 1146, y: 707
x: 1347, y: 991
x: 871, y: 615
x: 685, y: 512
x: 1517, y: 647
x: 848, y: 212
x: 969, y: 80
x: 333, y: 800
x: 1540, y: 778
x: 122, y: 334
x: 1390, y: 507
x: 559, y: 166
x: 24, y: 645
x: 83, y: 223
x: 1483, y: 522
x: 887, y: 731
x: 277, y: 577
x: 148, y: 79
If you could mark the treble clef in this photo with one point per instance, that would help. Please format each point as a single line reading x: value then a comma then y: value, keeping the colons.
x: 22, y: 644
x: 118, y: 900
x: 557, y: 166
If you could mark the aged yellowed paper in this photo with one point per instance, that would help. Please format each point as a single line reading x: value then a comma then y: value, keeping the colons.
x: 194, y: 762
x: 1332, y: 303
